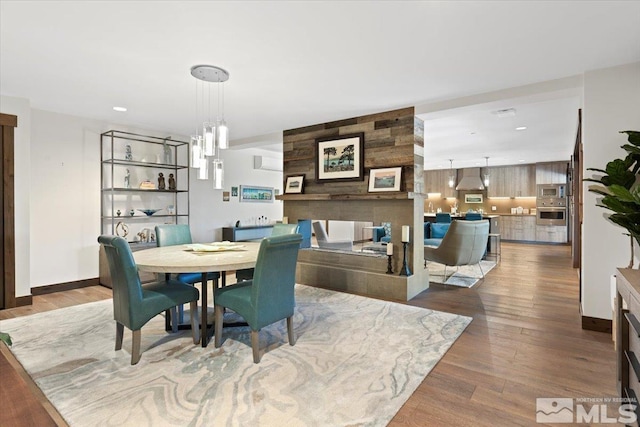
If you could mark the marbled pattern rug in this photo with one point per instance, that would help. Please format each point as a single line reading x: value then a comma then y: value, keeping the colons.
x: 466, y: 275
x: 355, y: 362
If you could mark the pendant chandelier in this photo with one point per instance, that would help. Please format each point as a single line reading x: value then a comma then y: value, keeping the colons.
x: 215, y: 134
x: 452, y: 175
x: 486, y: 174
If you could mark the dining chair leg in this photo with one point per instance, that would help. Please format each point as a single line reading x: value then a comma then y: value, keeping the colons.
x: 135, y: 348
x: 174, y: 319
x: 218, y: 312
x: 290, y: 331
x: 119, y: 335
x: 195, y: 328
x: 481, y: 271
x: 255, y: 346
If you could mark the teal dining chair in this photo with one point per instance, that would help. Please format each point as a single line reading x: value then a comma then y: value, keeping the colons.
x: 134, y: 304
x: 180, y: 234
x: 269, y: 296
x: 278, y: 230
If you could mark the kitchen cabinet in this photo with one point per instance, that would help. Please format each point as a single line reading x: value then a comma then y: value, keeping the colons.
x: 551, y: 173
x: 512, y: 181
x: 518, y: 227
x: 551, y: 233
x: 437, y: 181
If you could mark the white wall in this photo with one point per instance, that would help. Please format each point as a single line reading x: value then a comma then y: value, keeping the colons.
x: 610, y: 105
x: 209, y: 213
x: 57, y: 187
x: 22, y: 189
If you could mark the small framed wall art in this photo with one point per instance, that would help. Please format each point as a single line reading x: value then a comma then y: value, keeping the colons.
x: 386, y: 179
x: 294, y: 184
x: 251, y: 193
x: 473, y: 198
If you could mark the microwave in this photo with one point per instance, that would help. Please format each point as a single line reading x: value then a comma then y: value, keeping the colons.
x: 551, y: 191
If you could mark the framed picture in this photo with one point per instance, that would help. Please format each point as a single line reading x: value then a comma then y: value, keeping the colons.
x: 387, y: 179
x: 473, y: 198
x: 250, y: 193
x: 225, y: 196
x: 340, y: 158
x: 234, y: 191
x: 294, y: 184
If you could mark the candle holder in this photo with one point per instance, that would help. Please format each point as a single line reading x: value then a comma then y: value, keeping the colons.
x: 389, y: 266
x: 404, y: 271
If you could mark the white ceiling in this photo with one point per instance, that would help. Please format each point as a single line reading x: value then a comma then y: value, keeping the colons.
x: 294, y: 64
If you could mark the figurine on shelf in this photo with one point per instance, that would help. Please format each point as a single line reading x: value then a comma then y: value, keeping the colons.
x: 172, y: 182
x: 160, y: 181
x: 132, y: 212
x: 127, y: 180
x: 118, y: 212
x: 127, y: 153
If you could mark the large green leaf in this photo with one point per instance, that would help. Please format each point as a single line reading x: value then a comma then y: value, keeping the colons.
x: 633, y: 136
x: 622, y: 193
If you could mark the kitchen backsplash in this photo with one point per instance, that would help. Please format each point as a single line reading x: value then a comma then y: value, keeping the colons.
x: 502, y: 205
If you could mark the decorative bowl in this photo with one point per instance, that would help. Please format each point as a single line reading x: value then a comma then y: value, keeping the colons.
x: 149, y: 212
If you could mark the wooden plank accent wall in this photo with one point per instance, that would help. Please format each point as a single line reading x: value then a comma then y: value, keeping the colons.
x: 391, y: 139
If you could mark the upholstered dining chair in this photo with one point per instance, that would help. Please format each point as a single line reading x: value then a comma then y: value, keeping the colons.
x: 133, y: 304
x: 443, y: 217
x: 269, y: 296
x: 180, y: 234
x: 325, y: 243
x: 278, y: 230
x: 473, y: 216
x: 464, y: 244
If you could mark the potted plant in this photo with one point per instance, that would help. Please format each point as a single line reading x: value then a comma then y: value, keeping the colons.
x: 5, y: 338
x: 620, y: 189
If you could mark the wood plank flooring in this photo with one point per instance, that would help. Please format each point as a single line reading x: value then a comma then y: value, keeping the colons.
x: 525, y: 342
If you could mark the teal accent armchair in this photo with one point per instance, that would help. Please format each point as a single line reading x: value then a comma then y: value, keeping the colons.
x: 269, y: 297
x: 278, y: 230
x: 180, y: 234
x: 133, y: 304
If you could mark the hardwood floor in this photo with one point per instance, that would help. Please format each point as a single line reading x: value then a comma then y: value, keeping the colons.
x: 525, y: 342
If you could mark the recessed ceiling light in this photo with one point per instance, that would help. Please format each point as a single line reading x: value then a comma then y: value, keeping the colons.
x: 121, y: 109
x: 521, y: 128
x: 521, y: 161
x: 472, y: 133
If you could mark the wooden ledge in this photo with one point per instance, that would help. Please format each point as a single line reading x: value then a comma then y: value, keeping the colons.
x: 367, y: 196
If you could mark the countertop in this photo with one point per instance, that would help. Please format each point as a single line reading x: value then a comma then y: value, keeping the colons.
x: 433, y: 215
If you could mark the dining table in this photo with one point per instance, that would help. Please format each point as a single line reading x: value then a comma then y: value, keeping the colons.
x: 199, y: 258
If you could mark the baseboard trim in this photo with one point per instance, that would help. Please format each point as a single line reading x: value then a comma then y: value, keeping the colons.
x: 66, y: 286
x: 597, y: 324
x: 25, y: 300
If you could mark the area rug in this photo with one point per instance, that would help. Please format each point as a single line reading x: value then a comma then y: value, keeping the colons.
x: 355, y: 362
x: 465, y: 276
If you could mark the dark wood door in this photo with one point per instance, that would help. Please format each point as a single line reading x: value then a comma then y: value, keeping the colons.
x: 576, y: 242
x: 7, y: 249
